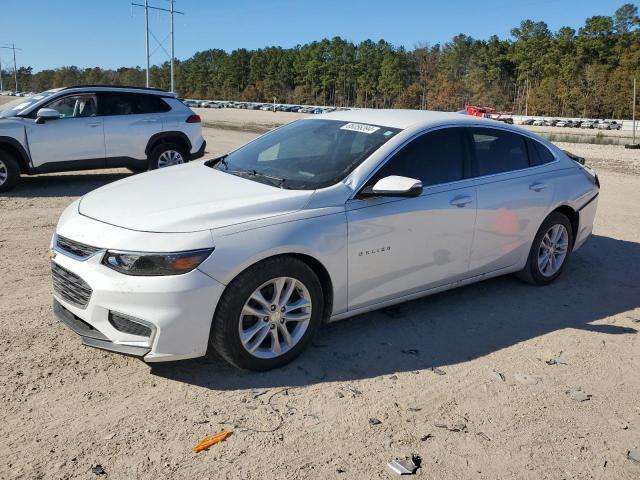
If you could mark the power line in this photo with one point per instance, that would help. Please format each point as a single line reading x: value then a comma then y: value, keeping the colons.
x: 171, y: 12
x: 13, y: 47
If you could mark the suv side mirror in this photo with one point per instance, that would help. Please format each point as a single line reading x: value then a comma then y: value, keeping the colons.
x: 45, y: 114
x: 393, y: 186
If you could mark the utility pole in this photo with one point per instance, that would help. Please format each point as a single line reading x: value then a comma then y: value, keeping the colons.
x: 173, y: 50
x: 1, y: 89
x: 15, y: 68
x: 171, y: 12
x: 634, y: 111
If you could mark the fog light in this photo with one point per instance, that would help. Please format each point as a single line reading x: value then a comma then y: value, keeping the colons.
x: 127, y: 324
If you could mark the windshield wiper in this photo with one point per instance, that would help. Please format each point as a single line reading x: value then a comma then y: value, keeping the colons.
x: 275, y: 181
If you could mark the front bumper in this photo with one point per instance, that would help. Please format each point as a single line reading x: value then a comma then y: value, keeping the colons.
x: 177, y: 309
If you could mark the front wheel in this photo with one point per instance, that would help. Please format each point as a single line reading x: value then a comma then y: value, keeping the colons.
x: 268, y: 314
x: 550, y: 251
x: 9, y: 172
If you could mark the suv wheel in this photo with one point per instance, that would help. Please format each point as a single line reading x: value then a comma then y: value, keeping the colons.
x: 167, y: 155
x: 268, y: 314
x: 9, y: 172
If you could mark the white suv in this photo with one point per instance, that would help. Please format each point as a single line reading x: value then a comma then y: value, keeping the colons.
x: 89, y: 127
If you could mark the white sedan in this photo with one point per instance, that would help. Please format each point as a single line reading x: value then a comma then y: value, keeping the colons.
x: 321, y: 219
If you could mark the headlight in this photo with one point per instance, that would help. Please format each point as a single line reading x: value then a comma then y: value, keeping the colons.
x: 155, y: 264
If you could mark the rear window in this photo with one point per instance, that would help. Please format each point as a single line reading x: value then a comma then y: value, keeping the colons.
x: 132, y: 104
x: 498, y: 151
x: 538, y: 153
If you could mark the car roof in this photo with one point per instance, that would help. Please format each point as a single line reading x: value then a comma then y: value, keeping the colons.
x: 120, y: 88
x: 406, y: 119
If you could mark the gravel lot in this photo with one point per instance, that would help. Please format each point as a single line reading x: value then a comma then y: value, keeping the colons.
x: 476, y: 356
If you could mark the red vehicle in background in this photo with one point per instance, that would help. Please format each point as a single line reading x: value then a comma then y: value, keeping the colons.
x: 489, y: 112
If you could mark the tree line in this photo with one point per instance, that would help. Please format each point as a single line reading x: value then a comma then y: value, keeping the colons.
x: 586, y: 73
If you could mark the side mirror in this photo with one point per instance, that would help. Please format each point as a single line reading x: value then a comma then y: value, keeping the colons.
x: 45, y: 114
x: 393, y: 186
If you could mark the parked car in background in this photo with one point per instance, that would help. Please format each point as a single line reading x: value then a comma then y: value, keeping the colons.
x: 538, y: 123
x: 233, y: 254
x: 191, y: 103
x: 95, y: 126
x: 587, y: 124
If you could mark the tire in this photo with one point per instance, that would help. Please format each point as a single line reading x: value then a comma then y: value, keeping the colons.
x: 156, y: 155
x: 532, y: 272
x: 9, y: 172
x: 230, y: 316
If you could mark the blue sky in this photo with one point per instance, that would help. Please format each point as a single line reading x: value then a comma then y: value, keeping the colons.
x: 110, y: 33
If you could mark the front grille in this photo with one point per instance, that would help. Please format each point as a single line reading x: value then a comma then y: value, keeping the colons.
x: 70, y: 286
x: 76, y: 248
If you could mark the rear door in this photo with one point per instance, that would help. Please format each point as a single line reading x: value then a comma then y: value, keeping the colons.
x: 130, y: 120
x: 515, y: 184
x: 398, y: 246
x: 73, y: 141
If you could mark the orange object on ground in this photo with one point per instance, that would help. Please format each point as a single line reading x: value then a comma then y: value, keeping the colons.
x: 206, y: 442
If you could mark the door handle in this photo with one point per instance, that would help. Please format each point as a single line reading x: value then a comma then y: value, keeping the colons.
x: 149, y: 120
x: 537, y: 187
x: 94, y: 124
x: 461, y: 201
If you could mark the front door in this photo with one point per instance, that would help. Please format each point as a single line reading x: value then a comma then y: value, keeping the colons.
x: 75, y: 140
x: 399, y: 246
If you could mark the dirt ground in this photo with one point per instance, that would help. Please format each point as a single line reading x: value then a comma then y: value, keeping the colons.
x: 473, y: 359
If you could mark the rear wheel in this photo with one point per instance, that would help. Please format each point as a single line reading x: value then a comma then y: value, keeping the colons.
x: 9, y: 172
x: 268, y: 314
x: 550, y: 251
x: 167, y: 155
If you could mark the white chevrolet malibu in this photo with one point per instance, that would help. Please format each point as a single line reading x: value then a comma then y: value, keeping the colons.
x: 318, y: 220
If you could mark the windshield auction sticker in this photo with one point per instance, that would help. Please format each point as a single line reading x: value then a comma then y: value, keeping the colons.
x: 359, y: 127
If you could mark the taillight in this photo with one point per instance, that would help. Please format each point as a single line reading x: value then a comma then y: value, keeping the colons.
x: 193, y: 119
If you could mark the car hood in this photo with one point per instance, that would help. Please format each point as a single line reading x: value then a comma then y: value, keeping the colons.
x: 188, y: 198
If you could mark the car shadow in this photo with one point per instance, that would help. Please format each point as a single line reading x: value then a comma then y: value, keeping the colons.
x: 63, y: 185
x: 601, y: 280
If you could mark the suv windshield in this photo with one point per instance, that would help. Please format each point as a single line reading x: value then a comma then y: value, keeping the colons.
x: 20, y: 104
x: 306, y: 154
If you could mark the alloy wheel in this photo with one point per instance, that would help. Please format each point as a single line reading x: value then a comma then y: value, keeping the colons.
x: 553, y: 250
x: 275, y: 317
x: 169, y: 158
x: 4, y: 172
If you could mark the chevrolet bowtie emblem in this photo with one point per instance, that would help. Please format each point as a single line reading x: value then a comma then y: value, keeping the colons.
x: 52, y: 254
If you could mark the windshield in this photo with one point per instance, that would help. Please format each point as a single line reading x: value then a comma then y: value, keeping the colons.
x: 20, y: 104
x: 306, y: 154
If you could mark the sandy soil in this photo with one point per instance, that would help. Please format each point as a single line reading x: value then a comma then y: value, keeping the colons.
x: 475, y: 356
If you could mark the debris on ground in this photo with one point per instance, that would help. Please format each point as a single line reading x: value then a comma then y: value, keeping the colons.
x: 414, y: 409
x: 109, y: 437
x: 374, y: 421
x: 426, y: 437
x: 437, y: 371
x: 207, y: 442
x: 405, y: 466
x: 98, y: 470
x: 339, y: 394
x: 484, y: 435
x: 354, y: 390
x: 456, y: 427
x: 578, y: 395
x: 257, y: 393
x: 499, y: 375
x: 634, y: 455
x: 556, y: 360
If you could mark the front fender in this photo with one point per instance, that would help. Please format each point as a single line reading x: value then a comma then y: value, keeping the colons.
x: 323, y: 238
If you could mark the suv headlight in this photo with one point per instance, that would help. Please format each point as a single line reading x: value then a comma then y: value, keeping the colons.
x: 155, y: 264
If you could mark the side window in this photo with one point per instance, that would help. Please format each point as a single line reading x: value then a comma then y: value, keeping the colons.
x: 132, y: 104
x: 538, y: 153
x: 498, y: 151
x: 435, y: 157
x: 75, y: 106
